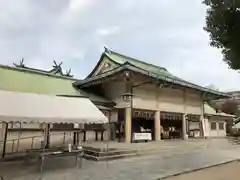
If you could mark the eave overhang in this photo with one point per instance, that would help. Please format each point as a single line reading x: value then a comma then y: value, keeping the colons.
x: 161, y: 78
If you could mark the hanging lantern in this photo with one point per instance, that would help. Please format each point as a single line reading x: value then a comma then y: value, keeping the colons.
x: 127, y: 97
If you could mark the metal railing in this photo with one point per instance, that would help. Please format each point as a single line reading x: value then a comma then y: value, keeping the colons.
x: 14, y: 145
x: 57, y: 139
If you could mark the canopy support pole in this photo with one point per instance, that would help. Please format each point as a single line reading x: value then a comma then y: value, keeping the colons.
x: 19, y: 134
x: 46, y: 128
x: 5, y: 131
x: 108, y: 134
x: 74, y: 138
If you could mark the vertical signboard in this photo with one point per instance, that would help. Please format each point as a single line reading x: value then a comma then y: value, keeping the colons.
x: 205, y: 126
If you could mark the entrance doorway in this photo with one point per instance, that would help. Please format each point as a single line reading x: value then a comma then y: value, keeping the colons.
x: 143, y: 122
x: 171, y: 125
x: 141, y: 125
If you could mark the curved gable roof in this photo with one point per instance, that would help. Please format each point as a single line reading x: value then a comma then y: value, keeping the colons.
x: 128, y: 63
x: 120, y: 59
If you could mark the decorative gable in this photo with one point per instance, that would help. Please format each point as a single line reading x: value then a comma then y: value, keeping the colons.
x: 105, y: 65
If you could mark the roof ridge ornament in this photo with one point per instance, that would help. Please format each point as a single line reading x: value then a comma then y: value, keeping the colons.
x: 21, y: 64
x: 107, y: 50
x: 68, y: 73
x: 57, y: 68
x: 55, y: 65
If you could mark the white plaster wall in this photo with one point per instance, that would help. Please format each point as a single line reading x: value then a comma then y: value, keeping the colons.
x: 213, y: 133
x: 194, y: 103
x: 222, y: 133
x: 144, y: 98
x: 114, y: 91
x: 218, y: 132
x: 171, y: 100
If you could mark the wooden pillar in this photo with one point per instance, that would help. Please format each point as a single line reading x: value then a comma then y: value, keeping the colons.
x: 46, y: 129
x: 108, y: 129
x: 184, y: 120
x: 157, y: 117
x: 202, y: 120
x: 157, y: 125
x: 128, y: 124
x: 184, y: 127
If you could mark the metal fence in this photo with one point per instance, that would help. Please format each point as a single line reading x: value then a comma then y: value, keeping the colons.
x: 18, y: 145
x: 31, y: 141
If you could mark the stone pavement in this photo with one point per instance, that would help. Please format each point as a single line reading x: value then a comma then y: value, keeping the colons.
x: 228, y: 171
x: 138, y: 168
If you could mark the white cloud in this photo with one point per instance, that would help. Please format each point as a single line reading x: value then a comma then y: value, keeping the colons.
x: 168, y: 33
x: 76, y: 5
x: 108, y: 31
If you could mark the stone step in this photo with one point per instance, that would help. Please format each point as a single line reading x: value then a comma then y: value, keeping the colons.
x: 98, y: 154
x: 130, y: 153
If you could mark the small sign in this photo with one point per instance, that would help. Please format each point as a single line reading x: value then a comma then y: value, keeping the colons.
x: 143, y: 114
x: 142, y: 136
x: 76, y: 126
x: 171, y: 116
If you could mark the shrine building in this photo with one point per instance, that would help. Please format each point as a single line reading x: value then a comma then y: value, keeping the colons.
x: 150, y: 100
x: 141, y: 100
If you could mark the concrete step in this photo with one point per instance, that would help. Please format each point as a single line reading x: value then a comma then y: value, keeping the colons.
x: 99, y: 154
x: 131, y: 153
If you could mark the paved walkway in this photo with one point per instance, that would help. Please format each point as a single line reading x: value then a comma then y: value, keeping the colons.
x: 138, y: 168
x: 229, y: 171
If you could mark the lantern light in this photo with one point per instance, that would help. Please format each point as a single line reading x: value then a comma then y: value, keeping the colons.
x: 127, y: 97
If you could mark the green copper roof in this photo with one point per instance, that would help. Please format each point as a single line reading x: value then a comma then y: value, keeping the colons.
x: 39, y: 81
x: 122, y: 59
x: 160, y: 77
x: 25, y: 80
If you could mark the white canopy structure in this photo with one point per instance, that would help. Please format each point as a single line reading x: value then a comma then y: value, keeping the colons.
x: 36, y: 108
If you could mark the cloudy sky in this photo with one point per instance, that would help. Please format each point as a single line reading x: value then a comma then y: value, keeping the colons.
x: 167, y: 33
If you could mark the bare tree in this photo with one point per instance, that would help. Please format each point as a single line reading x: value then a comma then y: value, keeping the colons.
x: 230, y: 107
